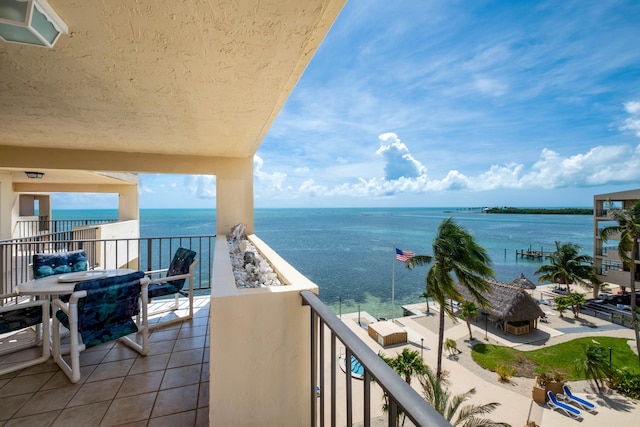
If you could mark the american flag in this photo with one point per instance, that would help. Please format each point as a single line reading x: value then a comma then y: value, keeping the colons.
x: 404, y: 255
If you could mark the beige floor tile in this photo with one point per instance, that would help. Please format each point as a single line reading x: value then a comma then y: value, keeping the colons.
x: 37, y: 420
x: 46, y: 401
x: 188, y: 357
x: 140, y: 384
x: 204, y: 376
x: 97, y: 391
x: 9, y: 405
x: 192, y: 331
x: 181, y: 419
x: 176, y: 400
x: 25, y: 384
x: 60, y: 379
x: 129, y: 409
x: 120, y: 352
x: 93, y: 357
x: 189, y: 343
x: 48, y: 366
x: 202, y: 417
x: 184, y: 375
x: 164, y: 334
x: 151, y: 362
x: 203, y: 395
x: 82, y: 416
x: 161, y: 347
x: 108, y: 370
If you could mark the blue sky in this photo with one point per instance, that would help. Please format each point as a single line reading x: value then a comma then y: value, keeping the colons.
x: 451, y: 103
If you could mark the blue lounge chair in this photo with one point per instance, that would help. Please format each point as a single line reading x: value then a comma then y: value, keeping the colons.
x: 584, y: 404
x: 568, y: 410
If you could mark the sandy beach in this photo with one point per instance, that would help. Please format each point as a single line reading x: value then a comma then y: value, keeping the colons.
x: 517, y: 406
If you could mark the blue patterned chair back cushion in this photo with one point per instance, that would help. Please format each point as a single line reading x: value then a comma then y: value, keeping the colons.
x: 106, y: 312
x: 20, y: 318
x: 180, y: 265
x: 59, y: 263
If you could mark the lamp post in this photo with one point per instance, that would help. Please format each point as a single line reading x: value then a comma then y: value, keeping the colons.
x: 486, y: 317
x: 609, y: 357
x: 422, y: 348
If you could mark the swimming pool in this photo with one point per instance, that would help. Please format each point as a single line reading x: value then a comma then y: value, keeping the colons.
x: 357, y: 370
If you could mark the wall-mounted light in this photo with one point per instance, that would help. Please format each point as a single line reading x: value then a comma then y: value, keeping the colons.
x: 34, y: 175
x: 31, y: 22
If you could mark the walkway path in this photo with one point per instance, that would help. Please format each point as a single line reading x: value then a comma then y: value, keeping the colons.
x: 515, y: 398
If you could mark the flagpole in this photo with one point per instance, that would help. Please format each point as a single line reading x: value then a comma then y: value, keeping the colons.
x: 393, y: 282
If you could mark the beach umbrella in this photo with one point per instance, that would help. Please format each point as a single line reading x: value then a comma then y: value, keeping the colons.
x: 523, y: 282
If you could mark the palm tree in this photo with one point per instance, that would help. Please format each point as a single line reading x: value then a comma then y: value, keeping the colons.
x: 455, y: 252
x: 595, y: 364
x: 440, y: 398
x: 426, y: 297
x: 629, y: 230
x: 567, y: 266
x: 469, y: 311
x: 406, y: 364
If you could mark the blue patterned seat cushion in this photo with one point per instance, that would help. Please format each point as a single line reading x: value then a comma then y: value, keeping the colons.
x: 59, y: 263
x: 20, y: 318
x: 182, y: 259
x: 106, y: 312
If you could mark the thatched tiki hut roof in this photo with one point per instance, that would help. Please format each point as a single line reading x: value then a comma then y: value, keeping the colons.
x: 508, y: 302
x: 523, y: 282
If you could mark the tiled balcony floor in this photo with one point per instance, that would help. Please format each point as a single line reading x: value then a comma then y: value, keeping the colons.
x: 168, y: 387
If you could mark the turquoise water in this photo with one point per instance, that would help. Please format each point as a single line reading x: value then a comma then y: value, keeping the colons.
x: 349, y: 253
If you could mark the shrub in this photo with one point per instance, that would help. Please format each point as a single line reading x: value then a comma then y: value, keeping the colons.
x: 626, y: 382
x: 505, y: 372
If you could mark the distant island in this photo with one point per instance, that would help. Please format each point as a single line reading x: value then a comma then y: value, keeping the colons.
x: 555, y: 211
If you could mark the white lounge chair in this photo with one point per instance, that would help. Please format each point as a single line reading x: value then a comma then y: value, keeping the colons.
x: 568, y: 410
x: 583, y: 403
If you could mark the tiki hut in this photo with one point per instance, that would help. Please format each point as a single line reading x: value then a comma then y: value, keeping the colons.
x: 512, y: 308
x: 523, y: 282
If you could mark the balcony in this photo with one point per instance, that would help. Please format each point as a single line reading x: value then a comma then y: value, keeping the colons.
x: 267, y: 350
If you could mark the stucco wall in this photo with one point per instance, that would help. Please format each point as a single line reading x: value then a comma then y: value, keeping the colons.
x: 260, y: 347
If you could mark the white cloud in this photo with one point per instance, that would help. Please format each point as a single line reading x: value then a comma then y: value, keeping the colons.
x: 491, y: 87
x: 399, y: 162
x: 267, y: 182
x: 599, y: 166
x: 632, y: 123
x: 201, y: 186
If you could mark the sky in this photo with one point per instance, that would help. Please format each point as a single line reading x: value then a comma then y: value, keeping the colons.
x: 452, y: 104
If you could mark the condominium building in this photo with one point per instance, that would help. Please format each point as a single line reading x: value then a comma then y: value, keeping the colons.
x: 609, y: 267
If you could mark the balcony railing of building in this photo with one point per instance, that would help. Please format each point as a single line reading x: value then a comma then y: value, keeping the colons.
x: 145, y: 254
x: 44, y: 225
x: 400, y: 394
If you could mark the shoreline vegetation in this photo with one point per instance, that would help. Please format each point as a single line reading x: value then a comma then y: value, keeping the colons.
x: 553, y: 211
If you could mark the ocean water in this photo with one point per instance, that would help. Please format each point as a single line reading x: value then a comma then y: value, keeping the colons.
x: 349, y: 253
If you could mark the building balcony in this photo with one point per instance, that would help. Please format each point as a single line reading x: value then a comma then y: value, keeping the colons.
x: 249, y: 357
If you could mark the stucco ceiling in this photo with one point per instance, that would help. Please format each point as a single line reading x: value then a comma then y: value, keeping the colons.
x: 174, y: 78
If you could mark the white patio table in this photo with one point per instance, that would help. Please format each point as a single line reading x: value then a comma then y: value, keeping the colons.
x: 61, y: 284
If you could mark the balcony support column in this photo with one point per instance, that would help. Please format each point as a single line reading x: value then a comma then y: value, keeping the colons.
x: 234, y: 195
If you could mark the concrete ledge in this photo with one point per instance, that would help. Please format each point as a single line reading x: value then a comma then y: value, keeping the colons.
x: 260, y: 356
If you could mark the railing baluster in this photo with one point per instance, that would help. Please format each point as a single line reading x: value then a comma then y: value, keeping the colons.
x: 398, y: 393
x: 314, y: 365
x: 322, y: 361
x: 333, y: 379
x: 348, y: 378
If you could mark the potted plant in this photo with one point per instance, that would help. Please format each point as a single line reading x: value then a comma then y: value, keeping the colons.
x: 544, y: 383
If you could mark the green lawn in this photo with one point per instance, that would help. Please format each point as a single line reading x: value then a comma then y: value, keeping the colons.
x: 558, y: 358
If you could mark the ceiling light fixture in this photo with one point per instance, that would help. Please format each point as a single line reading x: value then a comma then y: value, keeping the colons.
x: 34, y: 175
x: 31, y: 22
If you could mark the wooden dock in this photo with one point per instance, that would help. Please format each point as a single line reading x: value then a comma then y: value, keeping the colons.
x: 529, y: 254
